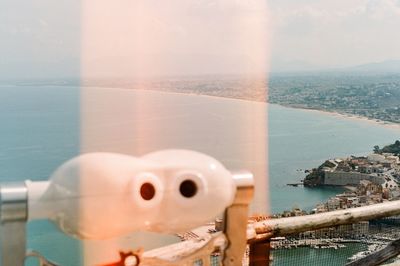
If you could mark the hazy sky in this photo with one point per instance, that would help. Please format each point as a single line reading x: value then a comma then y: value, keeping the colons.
x: 335, y: 32
x: 174, y: 37
x: 44, y: 38
x: 39, y: 38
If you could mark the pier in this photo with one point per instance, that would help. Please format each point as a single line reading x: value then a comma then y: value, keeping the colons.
x: 294, y: 184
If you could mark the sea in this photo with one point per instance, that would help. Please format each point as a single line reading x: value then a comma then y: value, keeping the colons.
x: 41, y: 127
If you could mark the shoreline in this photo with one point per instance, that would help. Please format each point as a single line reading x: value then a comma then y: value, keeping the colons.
x: 337, y: 114
x: 345, y: 116
x: 227, y: 98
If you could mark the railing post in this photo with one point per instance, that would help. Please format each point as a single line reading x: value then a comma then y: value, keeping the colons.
x: 236, y: 219
x: 13, y: 217
x: 259, y: 253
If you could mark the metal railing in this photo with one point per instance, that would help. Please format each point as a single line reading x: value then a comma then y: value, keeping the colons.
x: 230, y: 244
x: 267, y: 229
x: 260, y: 233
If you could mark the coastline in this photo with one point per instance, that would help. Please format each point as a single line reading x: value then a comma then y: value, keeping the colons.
x: 346, y: 116
x: 226, y: 98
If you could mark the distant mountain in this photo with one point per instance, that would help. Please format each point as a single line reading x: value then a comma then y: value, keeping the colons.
x: 278, y: 66
x: 390, y: 66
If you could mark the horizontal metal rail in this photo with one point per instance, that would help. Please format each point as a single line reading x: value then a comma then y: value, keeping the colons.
x: 290, y: 225
x: 264, y: 230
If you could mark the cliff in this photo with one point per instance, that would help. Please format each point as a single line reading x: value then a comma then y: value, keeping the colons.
x: 316, y: 176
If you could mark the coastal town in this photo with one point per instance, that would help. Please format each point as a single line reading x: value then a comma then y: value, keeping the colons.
x: 373, y: 96
x: 366, y: 180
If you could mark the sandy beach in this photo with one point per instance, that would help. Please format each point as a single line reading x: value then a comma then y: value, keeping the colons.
x: 386, y: 124
x: 395, y: 126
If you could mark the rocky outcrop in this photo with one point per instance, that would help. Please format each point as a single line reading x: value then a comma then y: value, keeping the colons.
x: 316, y: 176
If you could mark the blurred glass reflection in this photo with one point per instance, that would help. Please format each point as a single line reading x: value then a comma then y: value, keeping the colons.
x: 149, y: 68
x: 131, y: 77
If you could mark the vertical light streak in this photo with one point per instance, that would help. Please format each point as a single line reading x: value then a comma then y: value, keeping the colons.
x: 130, y: 45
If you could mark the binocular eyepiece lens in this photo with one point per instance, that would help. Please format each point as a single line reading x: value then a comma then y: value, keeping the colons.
x: 147, y: 191
x: 188, y: 188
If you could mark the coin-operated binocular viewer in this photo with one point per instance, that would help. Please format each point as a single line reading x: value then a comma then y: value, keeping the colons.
x: 107, y: 195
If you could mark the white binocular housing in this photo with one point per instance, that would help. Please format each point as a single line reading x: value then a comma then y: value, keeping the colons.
x: 106, y: 195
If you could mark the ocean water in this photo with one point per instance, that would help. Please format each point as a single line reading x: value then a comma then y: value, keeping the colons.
x: 41, y: 128
x: 302, y: 139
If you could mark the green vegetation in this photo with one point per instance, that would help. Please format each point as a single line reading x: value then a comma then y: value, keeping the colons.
x: 392, y: 148
x: 317, y: 175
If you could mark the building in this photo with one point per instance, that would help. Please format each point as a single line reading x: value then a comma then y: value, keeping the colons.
x: 341, y: 178
x: 355, y: 230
